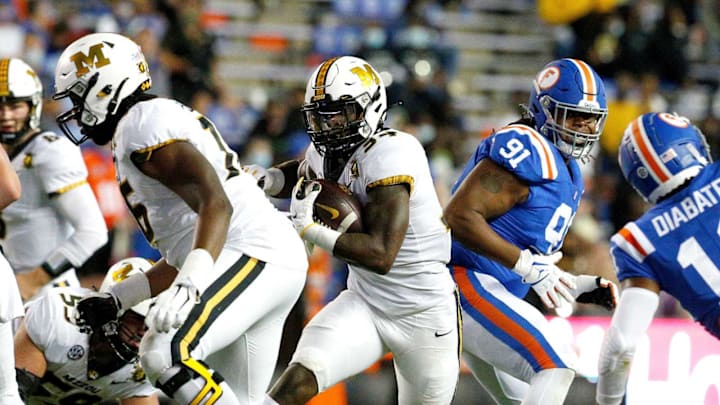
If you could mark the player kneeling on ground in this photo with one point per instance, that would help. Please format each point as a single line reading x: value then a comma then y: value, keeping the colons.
x: 59, y: 362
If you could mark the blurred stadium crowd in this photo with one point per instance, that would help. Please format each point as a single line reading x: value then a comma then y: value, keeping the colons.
x: 455, y: 71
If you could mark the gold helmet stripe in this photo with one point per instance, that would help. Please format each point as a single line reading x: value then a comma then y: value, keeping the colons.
x: 321, y: 77
x: 4, y: 78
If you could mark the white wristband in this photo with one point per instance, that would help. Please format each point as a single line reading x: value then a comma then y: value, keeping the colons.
x: 274, y: 181
x: 131, y: 291
x: 197, y: 261
x: 321, y: 236
x: 523, y: 266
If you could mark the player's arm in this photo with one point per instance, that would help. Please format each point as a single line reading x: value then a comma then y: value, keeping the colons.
x: 487, y: 192
x: 79, y: 206
x: 30, y: 363
x: 385, y: 217
x: 9, y: 181
x: 183, y: 169
x: 150, y: 400
x: 278, y: 181
x: 638, y: 301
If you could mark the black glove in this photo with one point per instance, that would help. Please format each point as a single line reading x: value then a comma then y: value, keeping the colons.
x: 95, y: 310
x: 604, y: 294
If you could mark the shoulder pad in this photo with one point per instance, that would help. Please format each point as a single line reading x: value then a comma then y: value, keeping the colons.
x: 631, y: 240
x: 524, y: 152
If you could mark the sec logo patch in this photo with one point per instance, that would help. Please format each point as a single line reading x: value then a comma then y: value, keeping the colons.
x: 76, y: 352
x: 548, y: 77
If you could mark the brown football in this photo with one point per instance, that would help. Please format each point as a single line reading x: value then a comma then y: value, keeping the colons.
x: 337, y: 208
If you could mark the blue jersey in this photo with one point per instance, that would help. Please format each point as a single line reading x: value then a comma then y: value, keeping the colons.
x: 541, y: 222
x: 677, y: 244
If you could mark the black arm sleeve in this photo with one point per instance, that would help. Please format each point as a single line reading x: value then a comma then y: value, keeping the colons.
x: 28, y: 383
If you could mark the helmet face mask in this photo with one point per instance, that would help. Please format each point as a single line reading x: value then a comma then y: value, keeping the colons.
x: 116, y: 343
x: 345, y: 103
x: 659, y: 152
x: 97, y: 73
x: 21, y: 84
x: 563, y: 90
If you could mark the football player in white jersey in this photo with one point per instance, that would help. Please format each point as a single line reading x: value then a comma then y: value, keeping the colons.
x: 10, y: 304
x: 233, y: 265
x: 400, y: 297
x: 57, y: 224
x: 59, y: 362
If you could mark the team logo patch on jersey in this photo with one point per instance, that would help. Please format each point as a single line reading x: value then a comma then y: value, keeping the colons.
x: 76, y: 352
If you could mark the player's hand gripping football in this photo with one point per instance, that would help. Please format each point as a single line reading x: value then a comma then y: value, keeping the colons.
x: 549, y: 282
x: 95, y: 310
x: 596, y: 290
x: 301, y: 205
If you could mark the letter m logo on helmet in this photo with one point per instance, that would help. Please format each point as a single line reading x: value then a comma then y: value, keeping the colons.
x: 94, y: 58
x: 366, y: 74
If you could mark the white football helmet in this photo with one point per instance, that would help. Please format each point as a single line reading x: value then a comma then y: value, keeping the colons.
x: 121, y: 271
x: 97, y: 72
x: 345, y: 102
x: 19, y: 82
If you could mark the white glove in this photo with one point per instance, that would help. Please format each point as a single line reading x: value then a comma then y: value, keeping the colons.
x: 173, y: 306
x: 545, y: 277
x: 271, y: 180
x: 301, y: 214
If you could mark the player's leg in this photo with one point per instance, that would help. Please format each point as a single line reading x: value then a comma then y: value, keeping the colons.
x: 240, y: 297
x: 249, y: 362
x: 502, y: 387
x: 513, y: 336
x: 426, y: 352
x: 339, y: 342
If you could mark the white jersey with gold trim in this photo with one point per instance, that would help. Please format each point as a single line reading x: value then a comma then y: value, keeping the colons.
x: 256, y: 227
x: 47, y: 166
x: 49, y: 324
x: 419, y: 278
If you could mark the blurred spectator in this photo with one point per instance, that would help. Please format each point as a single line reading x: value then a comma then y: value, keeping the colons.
x: 623, y: 107
x: 187, y: 48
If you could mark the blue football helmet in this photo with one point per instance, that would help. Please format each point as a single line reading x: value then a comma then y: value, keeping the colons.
x: 563, y: 88
x: 659, y: 152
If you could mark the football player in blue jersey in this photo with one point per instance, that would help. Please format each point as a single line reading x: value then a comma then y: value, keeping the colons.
x: 673, y: 247
x: 509, y: 213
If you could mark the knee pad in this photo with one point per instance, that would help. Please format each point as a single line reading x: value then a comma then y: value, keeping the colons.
x: 155, y: 363
x: 192, y: 380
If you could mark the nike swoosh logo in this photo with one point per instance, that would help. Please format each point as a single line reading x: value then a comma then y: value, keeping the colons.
x: 333, y: 212
x: 441, y: 334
